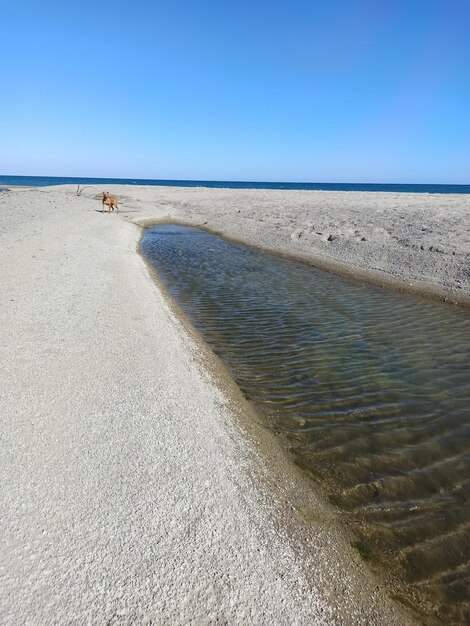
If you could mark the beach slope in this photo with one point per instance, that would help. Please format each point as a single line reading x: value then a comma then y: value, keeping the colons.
x: 132, y: 491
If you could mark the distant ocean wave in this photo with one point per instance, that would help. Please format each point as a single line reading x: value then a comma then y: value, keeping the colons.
x: 43, y: 181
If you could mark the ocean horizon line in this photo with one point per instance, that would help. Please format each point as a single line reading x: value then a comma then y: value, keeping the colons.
x: 43, y: 181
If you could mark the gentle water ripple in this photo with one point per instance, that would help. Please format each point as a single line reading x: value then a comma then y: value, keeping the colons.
x: 370, y: 388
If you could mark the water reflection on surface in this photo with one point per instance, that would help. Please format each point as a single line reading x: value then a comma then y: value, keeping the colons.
x: 370, y: 388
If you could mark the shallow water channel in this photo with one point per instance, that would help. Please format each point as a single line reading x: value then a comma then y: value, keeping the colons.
x: 368, y: 388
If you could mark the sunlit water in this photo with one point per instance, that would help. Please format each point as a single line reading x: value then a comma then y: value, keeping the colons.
x: 369, y: 388
x: 41, y: 181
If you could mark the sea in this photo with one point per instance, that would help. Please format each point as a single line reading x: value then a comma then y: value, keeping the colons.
x: 43, y: 181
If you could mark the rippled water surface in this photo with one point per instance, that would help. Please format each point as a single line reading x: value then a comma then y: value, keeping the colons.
x: 369, y: 388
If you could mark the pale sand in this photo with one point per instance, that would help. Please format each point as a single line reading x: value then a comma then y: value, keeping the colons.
x: 137, y: 487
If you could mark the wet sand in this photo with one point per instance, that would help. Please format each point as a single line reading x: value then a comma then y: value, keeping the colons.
x: 139, y: 489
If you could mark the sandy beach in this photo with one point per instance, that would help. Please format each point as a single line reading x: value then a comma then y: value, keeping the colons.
x: 418, y: 243
x: 139, y: 487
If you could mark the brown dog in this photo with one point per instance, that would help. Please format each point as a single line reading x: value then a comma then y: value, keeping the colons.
x: 110, y: 201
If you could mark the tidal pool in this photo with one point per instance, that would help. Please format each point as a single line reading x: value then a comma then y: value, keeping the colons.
x: 368, y: 388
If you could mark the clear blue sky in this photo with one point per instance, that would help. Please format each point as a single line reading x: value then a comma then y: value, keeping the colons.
x: 330, y: 90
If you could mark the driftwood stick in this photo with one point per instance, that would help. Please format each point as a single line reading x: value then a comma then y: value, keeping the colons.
x: 79, y: 191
